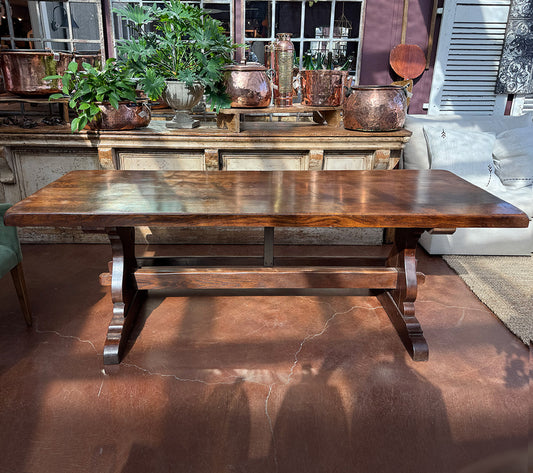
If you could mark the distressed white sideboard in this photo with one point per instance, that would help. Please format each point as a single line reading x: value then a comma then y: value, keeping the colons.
x: 32, y: 158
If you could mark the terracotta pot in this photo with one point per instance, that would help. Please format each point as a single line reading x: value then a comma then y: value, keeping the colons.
x: 128, y: 116
x: 375, y: 108
x: 24, y: 71
x: 248, y: 85
x: 323, y: 87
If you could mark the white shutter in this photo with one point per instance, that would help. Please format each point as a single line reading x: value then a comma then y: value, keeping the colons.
x: 528, y: 104
x: 522, y: 104
x: 470, y: 46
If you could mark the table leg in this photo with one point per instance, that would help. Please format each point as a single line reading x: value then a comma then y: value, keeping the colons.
x: 399, y: 302
x: 124, y: 294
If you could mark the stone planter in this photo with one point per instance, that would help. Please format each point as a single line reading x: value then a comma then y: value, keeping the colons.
x: 182, y: 98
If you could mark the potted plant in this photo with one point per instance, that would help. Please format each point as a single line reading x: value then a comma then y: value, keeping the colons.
x: 322, y: 81
x: 102, y: 99
x: 176, y: 48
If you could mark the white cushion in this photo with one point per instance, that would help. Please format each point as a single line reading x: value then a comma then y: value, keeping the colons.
x: 513, y: 157
x: 467, y: 154
x: 415, y: 155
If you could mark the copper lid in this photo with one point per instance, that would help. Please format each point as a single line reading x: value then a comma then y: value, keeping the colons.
x: 245, y: 66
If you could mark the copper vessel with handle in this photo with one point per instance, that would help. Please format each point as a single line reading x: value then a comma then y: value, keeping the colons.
x: 375, y: 108
x: 24, y: 71
x: 248, y: 85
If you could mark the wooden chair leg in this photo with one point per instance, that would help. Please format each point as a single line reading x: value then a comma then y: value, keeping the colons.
x: 20, y: 286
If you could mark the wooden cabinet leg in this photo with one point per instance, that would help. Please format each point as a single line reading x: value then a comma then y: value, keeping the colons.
x: 124, y: 294
x: 17, y: 275
x: 230, y: 122
x: 399, y: 302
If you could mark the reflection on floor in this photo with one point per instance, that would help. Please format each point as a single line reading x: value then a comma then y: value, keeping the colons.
x: 254, y: 383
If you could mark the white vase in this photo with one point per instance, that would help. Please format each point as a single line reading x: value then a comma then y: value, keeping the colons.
x: 182, y: 98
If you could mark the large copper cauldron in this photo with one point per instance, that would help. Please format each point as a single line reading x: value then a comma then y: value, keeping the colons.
x: 248, y: 85
x: 128, y: 116
x: 323, y: 87
x: 24, y: 71
x: 375, y: 108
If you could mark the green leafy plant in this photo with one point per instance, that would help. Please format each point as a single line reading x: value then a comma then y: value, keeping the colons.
x: 88, y: 86
x: 324, y: 61
x: 175, y: 41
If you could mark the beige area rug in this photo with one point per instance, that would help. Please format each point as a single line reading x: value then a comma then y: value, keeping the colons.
x: 504, y: 284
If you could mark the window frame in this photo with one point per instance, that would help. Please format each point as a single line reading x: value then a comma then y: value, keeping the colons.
x: 38, y: 15
x: 237, y: 12
x: 330, y: 40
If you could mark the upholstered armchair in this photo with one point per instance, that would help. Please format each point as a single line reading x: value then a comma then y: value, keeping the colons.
x: 11, y: 260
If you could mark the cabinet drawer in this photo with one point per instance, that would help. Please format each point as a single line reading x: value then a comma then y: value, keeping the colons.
x: 264, y: 161
x: 175, y: 160
x: 348, y: 161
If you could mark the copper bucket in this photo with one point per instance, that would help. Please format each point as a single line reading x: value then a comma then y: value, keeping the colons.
x: 24, y: 71
x: 248, y: 85
x: 323, y: 87
x: 375, y: 108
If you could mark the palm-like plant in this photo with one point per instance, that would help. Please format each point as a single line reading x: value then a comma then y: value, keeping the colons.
x: 175, y: 41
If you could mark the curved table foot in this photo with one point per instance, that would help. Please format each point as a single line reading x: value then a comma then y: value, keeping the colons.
x: 399, y: 302
x: 124, y: 294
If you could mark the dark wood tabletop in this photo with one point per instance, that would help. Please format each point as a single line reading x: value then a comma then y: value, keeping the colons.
x: 114, y: 202
x: 398, y: 198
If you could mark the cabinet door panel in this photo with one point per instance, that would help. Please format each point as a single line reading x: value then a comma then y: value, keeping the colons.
x: 246, y: 161
x: 35, y: 168
x: 162, y: 161
x: 348, y: 161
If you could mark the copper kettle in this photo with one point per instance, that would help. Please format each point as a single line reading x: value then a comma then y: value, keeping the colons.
x: 375, y: 107
x: 248, y: 85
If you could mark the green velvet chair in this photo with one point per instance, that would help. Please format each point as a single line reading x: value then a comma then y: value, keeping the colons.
x: 11, y: 260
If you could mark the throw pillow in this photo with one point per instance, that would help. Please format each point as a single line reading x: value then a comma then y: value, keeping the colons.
x: 513, y: 157
x: 415, y: 155
x: 467, y: 154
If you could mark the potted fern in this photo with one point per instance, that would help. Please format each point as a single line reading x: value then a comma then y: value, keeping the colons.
x: 102, y: 99
x: 176, y: 49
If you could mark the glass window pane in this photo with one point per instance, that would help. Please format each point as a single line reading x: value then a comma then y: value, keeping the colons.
x: 20, y: 22
x: 288, y: 18
x: 258, y: 19
x: 84, y: 19
x: 316, y: 16
x: 219, y: 12
x: 348, y: 15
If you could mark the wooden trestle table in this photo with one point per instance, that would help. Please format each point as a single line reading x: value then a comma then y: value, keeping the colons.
x: 408, y: 201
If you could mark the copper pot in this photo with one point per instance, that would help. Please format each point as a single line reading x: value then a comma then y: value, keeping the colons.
x: 24, y: 71
x: 128, y: 116
x: 323, y: 87
x: 375, y: 108
x: 248, y: 85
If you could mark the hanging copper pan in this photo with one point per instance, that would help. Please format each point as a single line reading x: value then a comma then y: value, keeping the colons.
x: 407, y: 60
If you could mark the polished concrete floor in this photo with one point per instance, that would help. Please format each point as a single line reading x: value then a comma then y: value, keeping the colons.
x: 254, y: 383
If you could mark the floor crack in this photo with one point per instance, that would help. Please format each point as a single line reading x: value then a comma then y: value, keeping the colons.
x: 296, y: 361
x: 73, y: 337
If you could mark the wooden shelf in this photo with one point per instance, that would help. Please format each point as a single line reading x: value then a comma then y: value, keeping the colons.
x: 230, y: 118
x: 61, y: 103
